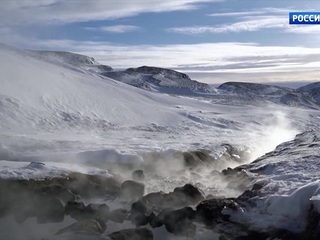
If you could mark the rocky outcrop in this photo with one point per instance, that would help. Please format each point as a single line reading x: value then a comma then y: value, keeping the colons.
x: 159, y: 79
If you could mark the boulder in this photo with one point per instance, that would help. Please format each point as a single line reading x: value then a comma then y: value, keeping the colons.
x: 154, y: 221
x: 180, y: 221
x: 193, y: 194
x: 131, y: 190
x: 76, y: 210
x: 154, y: 199
x: 197, y: 158
x: 138, y: 176
x: 210, y: 211
x: 100, y: 211
x: 92, y: 186
x: 312, y: 229
x: 139, y: 215
x: 132, y: 234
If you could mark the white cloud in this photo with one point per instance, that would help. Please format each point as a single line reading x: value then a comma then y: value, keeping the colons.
x: 255, y: 24
x: 304, y: 29
x: 235, y: 14
x: 209, y: 59
x: 60, y: 11
x: 116, y: 28
x: 250, y: 21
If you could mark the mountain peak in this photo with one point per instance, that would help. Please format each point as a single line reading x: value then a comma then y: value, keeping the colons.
x: 157, y: 70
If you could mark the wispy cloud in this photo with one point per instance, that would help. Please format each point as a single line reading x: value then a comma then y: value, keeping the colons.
x: 115, y: 28
x: 235, y: 14
x: 254, y: 24
x: 207, y: 59
x: 249, y: 21
x: 57, y: 11
x: 252, y: 12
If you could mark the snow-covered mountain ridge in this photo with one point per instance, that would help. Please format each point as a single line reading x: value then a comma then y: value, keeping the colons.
x: 307, y: 97
x: 159, y: 79
x: 172, y: 82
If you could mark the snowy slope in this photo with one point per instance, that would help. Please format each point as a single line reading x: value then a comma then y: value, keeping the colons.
x: 49, y: 106
x: 313, y: 89
x: 72, y: 60
x: 290, y: 179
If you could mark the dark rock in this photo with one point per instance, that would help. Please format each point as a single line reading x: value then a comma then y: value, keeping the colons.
x: 210, y: 211
x: 312, y: 229
x: 180, y: 221
x: 154, y: 221
x: 118, y: 215
x: 132, y: 234
x: 139, y: 215
x: 229, y: 171
x: 92, y: 186
x: 138, y: 176
x: 196, y: 158
x: 76, y: 210
x: 59, y: 192
x: 192, y: 193
x: 51, y: 210
x: 174, y: 200
x: 154, y: 199
x: 237, y: 179
x: 257, y: 186
x: 246, y: 196
x: 131, y: 190
x: 85, y: 226
x: 100, y: 211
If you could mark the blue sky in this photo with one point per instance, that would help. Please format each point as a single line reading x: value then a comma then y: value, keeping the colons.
x: 211, y: 40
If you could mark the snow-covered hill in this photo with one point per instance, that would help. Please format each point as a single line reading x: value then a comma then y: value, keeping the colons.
x: 313, y: 89
x: 280, y: 95
x: 289, y: 187
x: 73, y: 60
x: 159, y: 79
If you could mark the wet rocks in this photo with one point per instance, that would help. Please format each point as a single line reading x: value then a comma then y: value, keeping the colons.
x: 180, y: 221
x: 132, y: 234
x: 79, y: 210
x: 138, y: 176
x: 131, y: 190
x: 193, y: 194
x: 154, y: 199
x: 210, y: 211
x: 139, y: 213
x: 312, y: 229
x: 92, y: 186
x: 237, y: 179
x: 197, y: 158
x: 155, y: 221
